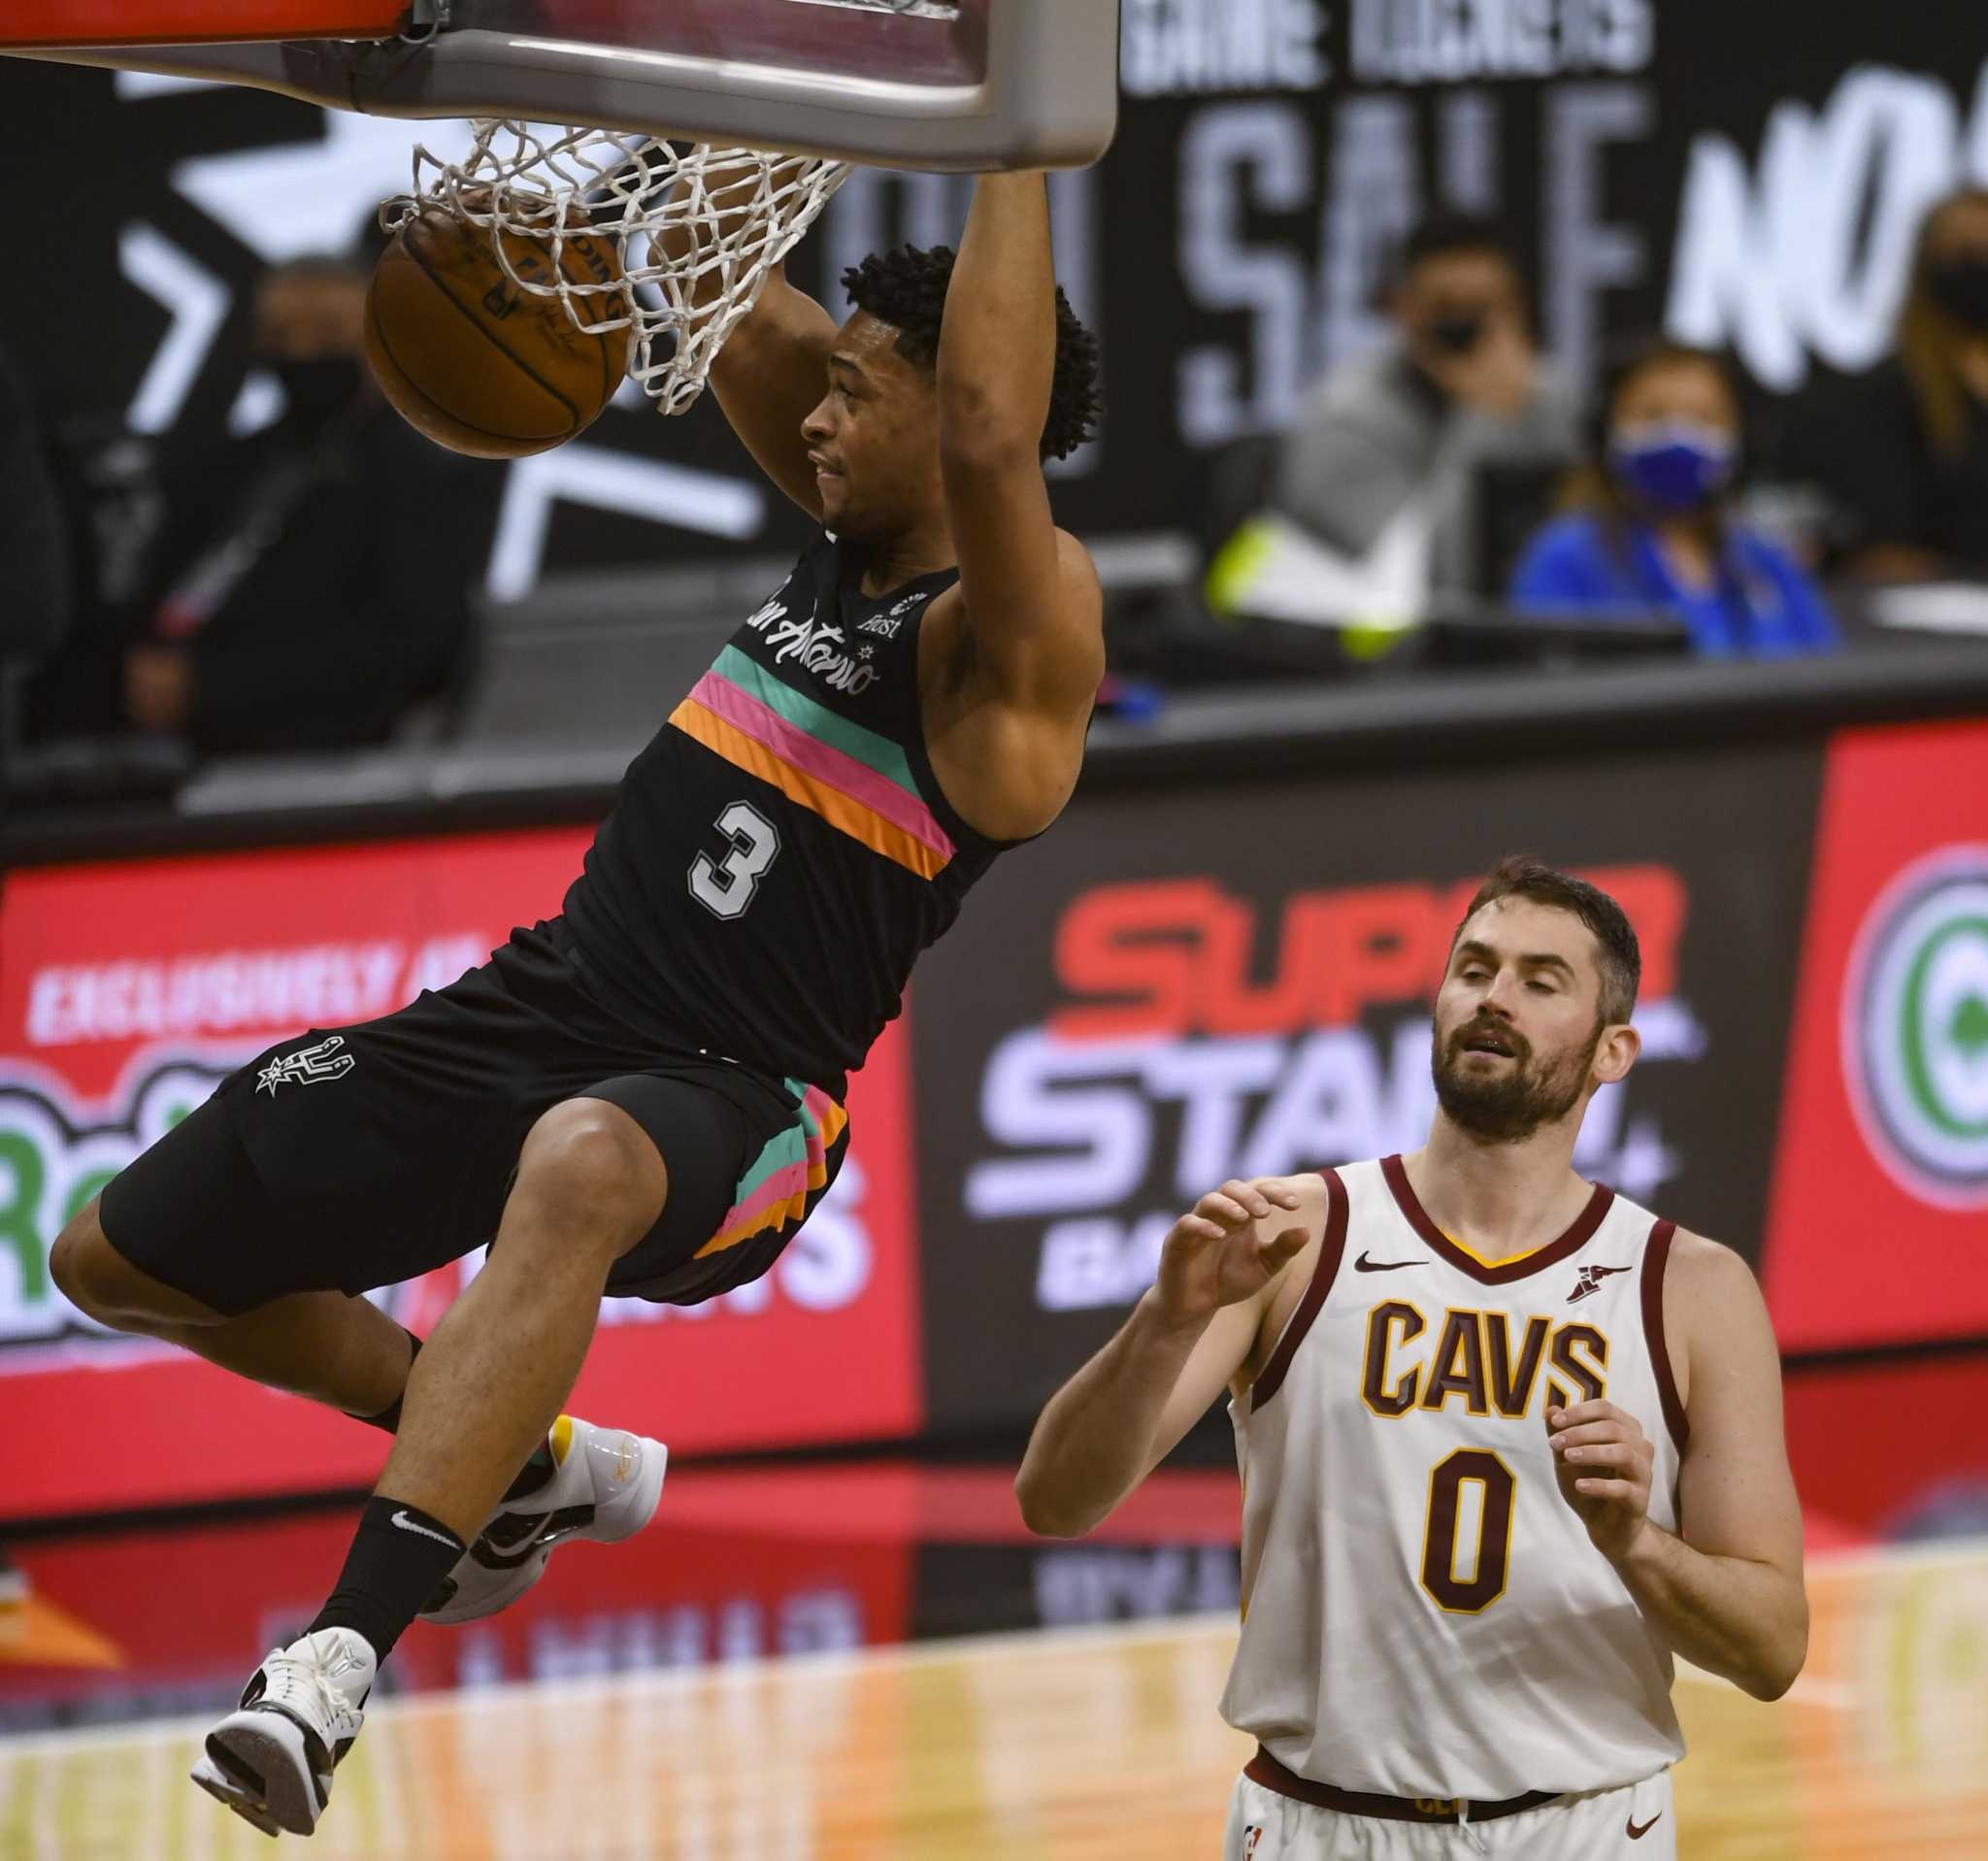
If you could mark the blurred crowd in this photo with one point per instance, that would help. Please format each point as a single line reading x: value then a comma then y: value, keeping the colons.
x: 301, y: 580
x: 305, y: 581
x: 1458, y: 470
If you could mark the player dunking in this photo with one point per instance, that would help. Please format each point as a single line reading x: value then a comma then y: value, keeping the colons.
x: 1507, y: 1442
x: 642, y: 1097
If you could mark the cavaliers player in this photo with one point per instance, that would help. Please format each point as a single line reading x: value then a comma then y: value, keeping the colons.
x: 1508, y: 1443
x: 642, y: 1096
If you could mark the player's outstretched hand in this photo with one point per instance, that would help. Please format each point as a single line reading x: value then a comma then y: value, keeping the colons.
x: 1231, y: 1245
x: 1604, y: 1459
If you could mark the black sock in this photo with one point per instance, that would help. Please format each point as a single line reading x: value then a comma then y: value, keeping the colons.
x: 398, y: 1559
x: 389, y: 1416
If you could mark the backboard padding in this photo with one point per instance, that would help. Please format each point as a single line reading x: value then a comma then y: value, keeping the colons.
x: 993, y: 83
x: 117, y: 23
x: 809, y: 35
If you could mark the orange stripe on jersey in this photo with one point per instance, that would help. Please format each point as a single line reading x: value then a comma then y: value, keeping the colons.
x: 842, y: 812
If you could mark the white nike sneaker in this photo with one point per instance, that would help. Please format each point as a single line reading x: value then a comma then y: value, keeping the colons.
x: 604, y: 1487
x: 271, y: 1759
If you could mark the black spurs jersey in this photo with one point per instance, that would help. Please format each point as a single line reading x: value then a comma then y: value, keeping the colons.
x: 781, y: 854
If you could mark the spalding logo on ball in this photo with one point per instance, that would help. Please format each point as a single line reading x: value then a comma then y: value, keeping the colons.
x: 477, y: 364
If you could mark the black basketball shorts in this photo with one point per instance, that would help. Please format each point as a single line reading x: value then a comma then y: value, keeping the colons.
x: 355, y: 1157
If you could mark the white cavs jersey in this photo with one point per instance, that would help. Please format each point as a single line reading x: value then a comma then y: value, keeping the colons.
x: 1423, y: 1612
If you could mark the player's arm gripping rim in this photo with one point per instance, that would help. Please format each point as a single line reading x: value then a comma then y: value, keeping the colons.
x: 767, y: 375
x: 1727, y: 1594
x: 1029, y: 593
x: 1199, y: 1328
x: 1021, y: 636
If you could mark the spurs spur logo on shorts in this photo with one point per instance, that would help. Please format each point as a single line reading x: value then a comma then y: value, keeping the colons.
x: 307, y: 1066
x: 1915, y: 1028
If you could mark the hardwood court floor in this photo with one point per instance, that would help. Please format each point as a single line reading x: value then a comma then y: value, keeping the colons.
x: 1045, y: 1745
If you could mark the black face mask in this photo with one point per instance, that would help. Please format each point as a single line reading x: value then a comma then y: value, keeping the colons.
x: 317, y: 390
x: 1960, y: 288
x: 1457, y: 334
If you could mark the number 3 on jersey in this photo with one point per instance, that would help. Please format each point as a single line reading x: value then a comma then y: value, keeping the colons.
x: 727, y: 890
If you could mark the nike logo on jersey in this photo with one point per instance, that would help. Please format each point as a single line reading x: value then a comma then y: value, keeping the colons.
x: 406, y: 1524
x: 1635, y: 1834
x: 1366, y: 1265
x: 1590, y: 1280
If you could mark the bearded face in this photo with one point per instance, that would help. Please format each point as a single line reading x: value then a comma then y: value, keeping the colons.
x: 1517, y: 1022
x: 1494, y: 1082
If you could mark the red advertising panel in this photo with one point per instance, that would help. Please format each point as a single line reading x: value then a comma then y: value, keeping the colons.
x: 1878, y: 1225
x: 127, y: 991
x: 1864, y: 1477
x: 709, y: 1583
x: 744, y: 1562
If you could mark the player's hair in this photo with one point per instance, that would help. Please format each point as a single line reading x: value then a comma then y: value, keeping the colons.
x: 906, y: 288
x: 1521, y: 876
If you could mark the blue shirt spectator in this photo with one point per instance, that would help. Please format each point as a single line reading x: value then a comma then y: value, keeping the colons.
x: 1654, y: 531
x: 1759, y: 604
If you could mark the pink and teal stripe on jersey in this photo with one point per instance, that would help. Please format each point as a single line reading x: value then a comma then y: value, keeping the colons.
x: 859, y: 782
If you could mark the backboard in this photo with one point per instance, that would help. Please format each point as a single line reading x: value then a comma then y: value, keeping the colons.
x: 959, y: 84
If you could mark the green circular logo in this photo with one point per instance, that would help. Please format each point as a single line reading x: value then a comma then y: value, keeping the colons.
x: 1917, y: 1028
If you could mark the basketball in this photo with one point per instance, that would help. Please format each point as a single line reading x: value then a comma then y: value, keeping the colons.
x: 477, y: 364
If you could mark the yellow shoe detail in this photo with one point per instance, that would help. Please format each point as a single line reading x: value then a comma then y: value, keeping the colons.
x: 560, y: 1440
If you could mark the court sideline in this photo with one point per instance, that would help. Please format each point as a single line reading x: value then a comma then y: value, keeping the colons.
x: 1052, y: 1745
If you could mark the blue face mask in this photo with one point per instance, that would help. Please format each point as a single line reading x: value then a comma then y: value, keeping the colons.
x: 1674, y: 465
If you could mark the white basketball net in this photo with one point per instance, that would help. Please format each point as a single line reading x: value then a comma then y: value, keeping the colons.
x: 696, y: 229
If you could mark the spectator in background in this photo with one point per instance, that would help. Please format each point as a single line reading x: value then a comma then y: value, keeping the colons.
x: 1407, y: 433
x: 1653, y: 530
x: 313, y: 581
x: 34, y: 542
x: 1904, y: 450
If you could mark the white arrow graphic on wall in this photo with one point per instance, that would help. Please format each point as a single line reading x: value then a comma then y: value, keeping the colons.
x: 610, y: 480
x: 197, y: 301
